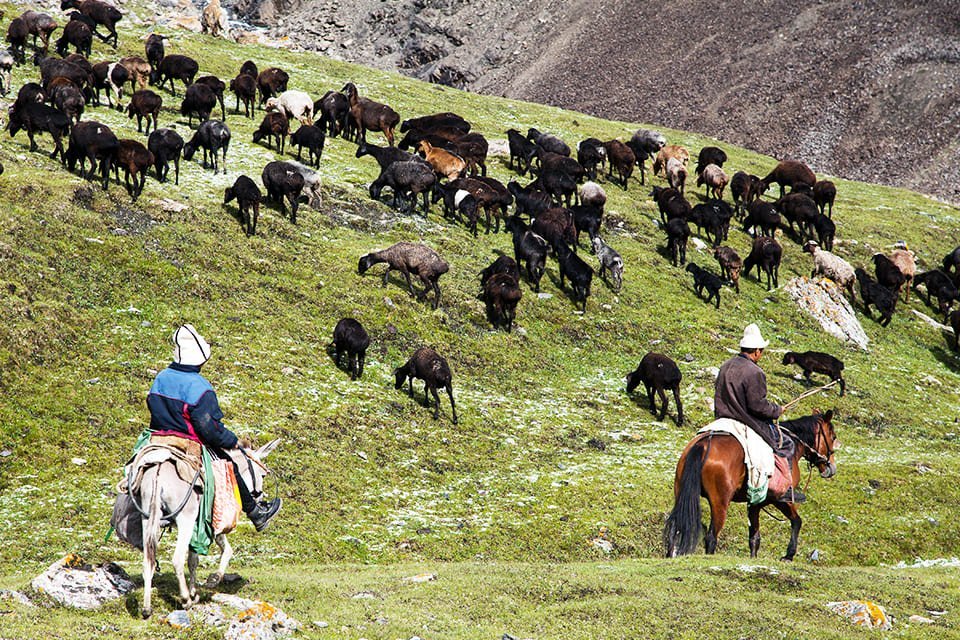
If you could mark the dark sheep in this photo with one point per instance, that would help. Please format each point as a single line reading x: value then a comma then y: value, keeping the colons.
x: 745, y: 188
x: 217, y: 86
x: 645, y: 144
x: 36, y: 117
x: 213, y: 137
x: 529, y: 249
x: 248, y: 196
x: 491, y: 196
x: 765, y: 254
x: 873, y: 293
x: 938, y: 285
x: 39, y: 25
x: 798, y: 208
x: 176, y: 67
x: 671, y: 204
x: 521, y: 150
x: 154, y: 49
x: 951, y: 262
x: 762, y: 215
x: 166, y: 146
x: 29, y: 92
x: 445, y: 119
x: 385, y: 156
x: 824, y: 193
x: 501, y: 293
x: 407, y: 258
x: 529, y: 200
x: 621, y: 159
x: 273, y: 127
x: 350, y: 338
x: 658, y: 373
x: 706, y: 216
x: 548, y: 142
x: 817, y: 362
x: 406, y: 179
x: 244, y: 87
x: 503, y: 264
x: 791, y: 173
x: 591, y: 154
x: 678, y: 232
x: 555, y: 225
x: 283, y: 180
x: 558, y: 184
x: 313, y: 138
x: 249, y: 68
x: 271, y: 83
x: 53, y: 68
x: 425, y: 364
x: 730, y: 265
x: 199, y: 101
x: 90, y: 140
x: 67, y: 97
x: 135, y: 159
x: 17, y: 32
x: 888, y: 273
x: 145, y: 104
x: 826, y: 231
x: 710, y: 155
x: 334, y: 111
x: 368, y: 115
x: 704, y: 280
x: 77, y: 34
x: 586, y: 218
x: 101, y: 13
x: 579, y: 273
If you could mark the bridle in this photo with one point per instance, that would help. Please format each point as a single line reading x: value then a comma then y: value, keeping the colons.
x: 257, y: 480
x: 812, y: 453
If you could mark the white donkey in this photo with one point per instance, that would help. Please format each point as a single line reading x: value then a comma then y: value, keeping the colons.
x: 163, y: 491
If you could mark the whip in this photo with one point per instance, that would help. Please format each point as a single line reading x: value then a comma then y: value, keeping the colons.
x: 808, y: 393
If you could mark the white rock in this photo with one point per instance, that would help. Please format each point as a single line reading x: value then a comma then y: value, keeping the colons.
x: 78, y: 461
x: 921, y: 620
x: 73, y: 583
x: 823, y: 300
x: 421, y: 577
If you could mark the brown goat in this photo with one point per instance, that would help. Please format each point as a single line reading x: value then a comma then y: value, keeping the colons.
x: 139, y: 70
x: 368, y: 115
x: 135, y: 160
x: 443, y: 162
x: 621, y: 158
x: 667, y: 152
x: 791, y: 173
x: 714, y: 179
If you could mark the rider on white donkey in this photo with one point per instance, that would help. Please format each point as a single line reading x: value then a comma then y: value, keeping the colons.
x: 182, y: 403
x: 741, y: 394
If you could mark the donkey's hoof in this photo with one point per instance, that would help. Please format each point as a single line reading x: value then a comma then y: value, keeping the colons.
x: 213, y: 581
x: 146, y: 613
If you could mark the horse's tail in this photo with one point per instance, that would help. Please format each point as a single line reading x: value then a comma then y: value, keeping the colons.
x: 683, y: 529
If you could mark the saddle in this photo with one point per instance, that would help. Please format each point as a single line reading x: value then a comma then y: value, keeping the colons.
x: 766, y: 472
x: 186, y: 455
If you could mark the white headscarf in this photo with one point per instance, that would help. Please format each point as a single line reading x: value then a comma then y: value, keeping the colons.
x: 189, y: 347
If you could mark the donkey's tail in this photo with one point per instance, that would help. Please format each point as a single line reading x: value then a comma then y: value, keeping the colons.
x: 151, y: 532
x: 683, y: 529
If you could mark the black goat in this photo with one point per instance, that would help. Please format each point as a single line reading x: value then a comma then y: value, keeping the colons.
x: 427, y: 365
x: 100, y: 12
x: 273, y: 127
x: 283, y: 180
x: 762, y: 215
x: 334, y: 111
x: 658, y: 373
x: 824, y: 193
x: 176, y: 67
x: 145, y: 104
x: 213, y: 137
x: 817, y: 362
x: 579, y: 272
x: 765, y: 255
x: 529, y: 200
x: 217, y: 86
x: 529, y: 249
x: 710, y: 155
x: 871, y: 292
x: 938, y: 285
x: 79, y: 35
x: 501, y: 293
x: 888, y: 273
x: 155, y: 50
x: 677, y: 235
x: 311, y: 137
x: 670, y: 203
x: 36, y: 117
x: 826, y: 231
x: 165, y: 145
x: 90, y: 140
x: 406, y: 179
x: 351, y: 338
x: 704, y: 280
x: 244, y: 87
x: 521, y: 150
x: 199, y: 101
x: 248, y: 196
x: 591, y: 155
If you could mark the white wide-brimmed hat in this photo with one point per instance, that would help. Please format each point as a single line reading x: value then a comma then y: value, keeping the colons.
x: 189, y: 347
x: 752, y: 338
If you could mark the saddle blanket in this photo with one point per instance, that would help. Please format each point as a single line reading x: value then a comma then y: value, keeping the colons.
x: 757, y: 455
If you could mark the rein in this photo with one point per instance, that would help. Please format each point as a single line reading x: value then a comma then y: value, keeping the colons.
x: 812, y: 455
x: 176, y: 511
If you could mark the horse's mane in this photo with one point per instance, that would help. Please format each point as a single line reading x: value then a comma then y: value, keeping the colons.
x: 803, y: 428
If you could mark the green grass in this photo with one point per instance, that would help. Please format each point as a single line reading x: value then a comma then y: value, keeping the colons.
x: 549, y: 448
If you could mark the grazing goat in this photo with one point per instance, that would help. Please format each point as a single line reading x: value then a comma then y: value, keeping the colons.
x: 667, y: 152
x: 888, y: 273
x: 677, y: 174
x: 730, y: 265
x: 311, y: 137
x: 586, y: 218
x: 529, y: 200
x: 765, y: 254
x: 826, y: 231
x: 155, y: 50
x: 312, y: 184
x: 762, y: 215
x: 817, y: 362
x: 79, y: 35
x: 872, y: 292
x: 610, y: 261
x: 39, y: 25
x: 745, y: 188
x: 36, y: 117
x: 705, y: 280
x: 145, y: 104
x: 561, y: 185
x: 548, y: 142
x: 135, y: 159
x: 445, y: 119
x: 658, y: 373
x: 579, y: 272
x: 831, y: 266
x: 621, y: 159
x: 165, y: 145
x: 714, y: 179
x: 271, y: 82
x: 90, y: 140
x: 938, y: 285
x: 283, y: 180
x: 706, y: 215
x: 529, y: 249
x: 385, y: 156
x: 248, y: 196
x: 555, y: 225
x: 213, y: 137
x: 798, y: 208
x: 501, y: 293
x: 139, y: 72
x: 244, y: 87
x: 907, y: 263
x: 66, y: 97
x: 430, y: 367
x: 677, y: 235
x: 334, y: 111
x: 670, y: 203
x: 824, y: 193
x: 110, y: 76
x: 592, y: 154
x: 217, y: 86
x: 17, y: 32
x: 410, y: 178
x: 368, y: 115
x: 708, y: 156
x: 100, y: 12
x: 199, y: 101
x: 521, y: 150
x: 295, y: 104
x: 791, y: 173
x: 407, y: 258
x: 176, y: 67
x: 273, y: 127
x: 445, y: 164
x: 349, y: 337
x: 503, y: 264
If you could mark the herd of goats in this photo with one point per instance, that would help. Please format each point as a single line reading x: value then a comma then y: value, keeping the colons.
x: 439, y: 158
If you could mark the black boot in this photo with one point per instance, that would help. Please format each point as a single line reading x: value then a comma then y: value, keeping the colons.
x: 792, y: 495
x: 261, y: 514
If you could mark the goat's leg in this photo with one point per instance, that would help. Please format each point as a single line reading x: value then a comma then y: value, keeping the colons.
x: 676, y: 399
x: 663, y: 405
x: 436, y: 398
x: 653, y: 405
x: 453, y: 405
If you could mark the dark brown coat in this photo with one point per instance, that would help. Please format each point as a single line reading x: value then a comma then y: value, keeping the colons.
x: 741, y: 394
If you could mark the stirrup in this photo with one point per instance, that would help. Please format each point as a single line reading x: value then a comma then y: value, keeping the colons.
x: 793, y: 496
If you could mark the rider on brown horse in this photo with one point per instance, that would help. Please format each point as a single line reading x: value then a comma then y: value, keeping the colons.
x: 741, y: 394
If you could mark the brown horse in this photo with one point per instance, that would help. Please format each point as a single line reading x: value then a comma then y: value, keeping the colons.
x: 712, y: 466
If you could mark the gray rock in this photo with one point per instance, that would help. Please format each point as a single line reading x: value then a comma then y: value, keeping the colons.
x: 73, y: 583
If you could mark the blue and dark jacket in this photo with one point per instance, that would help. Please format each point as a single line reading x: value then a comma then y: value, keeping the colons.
x: 182, y: 402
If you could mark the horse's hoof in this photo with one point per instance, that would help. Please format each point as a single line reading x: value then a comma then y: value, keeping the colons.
x: 146, y: 613
x: 786, y: 559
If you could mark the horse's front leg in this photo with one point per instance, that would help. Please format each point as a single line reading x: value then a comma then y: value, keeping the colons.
x: 753, y: 515
x: 789, y: 509
x: 184, y: 533
x: 226, y: 553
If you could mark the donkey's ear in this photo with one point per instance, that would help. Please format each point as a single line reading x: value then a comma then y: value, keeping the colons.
x: 265, y: 450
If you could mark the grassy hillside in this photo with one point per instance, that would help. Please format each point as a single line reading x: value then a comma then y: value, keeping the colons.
x: 549, y: 448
